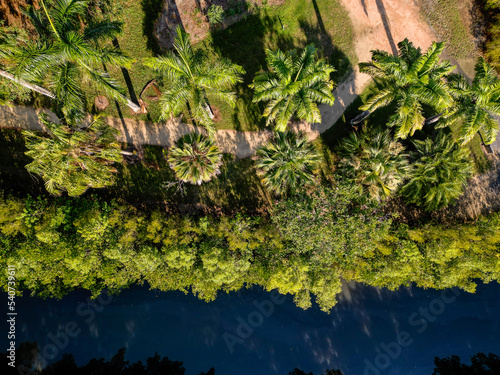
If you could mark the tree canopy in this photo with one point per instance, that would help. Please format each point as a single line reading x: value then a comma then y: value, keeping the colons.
x: 193, y: 78
x: 71, y: 159
x: 409, y: 81
x: 295, y: 82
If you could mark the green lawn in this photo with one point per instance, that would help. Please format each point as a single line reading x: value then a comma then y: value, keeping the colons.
x: 322, y: 22
x: 449, y: 19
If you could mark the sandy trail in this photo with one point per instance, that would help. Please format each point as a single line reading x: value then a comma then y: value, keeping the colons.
x: 378, y: 24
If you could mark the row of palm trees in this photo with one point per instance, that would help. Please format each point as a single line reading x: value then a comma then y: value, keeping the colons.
x: 292, y: 87
x: 65, y: 52
x: 415, y: 82
x: 431, y: 176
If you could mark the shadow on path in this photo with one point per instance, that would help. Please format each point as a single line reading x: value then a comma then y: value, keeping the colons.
x: 385, y: 21
x: 364, y: 6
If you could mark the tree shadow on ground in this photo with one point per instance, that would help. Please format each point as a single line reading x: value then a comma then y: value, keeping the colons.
x: 152, y: 10
x: 327, y: 50
x: 319, y: 36
x: 152, y: 182
x: 14, y: 178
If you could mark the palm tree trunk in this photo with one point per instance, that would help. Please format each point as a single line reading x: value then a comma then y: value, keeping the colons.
x: 131, y: 104
x: 28, y: 85
x: 208, y: 108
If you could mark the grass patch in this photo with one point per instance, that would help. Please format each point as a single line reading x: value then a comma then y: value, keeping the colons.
x: 448, y: 19
x: 137, y: 41
x: 294, y: 24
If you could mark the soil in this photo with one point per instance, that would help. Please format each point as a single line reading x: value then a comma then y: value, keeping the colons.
x: 217, y: 115
x: 191, y: 15
x: 381, y: 24
x: 11, y: 12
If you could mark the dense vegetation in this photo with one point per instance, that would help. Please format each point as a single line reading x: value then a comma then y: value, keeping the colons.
x: 310, y: 242
x: 324, y: 226
x: 492, y: 47
x: 481, y: 364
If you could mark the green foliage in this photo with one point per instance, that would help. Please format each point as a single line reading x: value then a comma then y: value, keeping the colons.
x: 492, y: 47
x: 73, y: 160
x: 287, y: 162
x: 292, y: 87
x: 439, y: 173
x: 65, y: 52
x: 333, y: 225
x: 478, y: 103
x: 62, y: 244
x: 374, y: 160
x: 437, y: 256
x: 195, y: 159
x: 9, y: 91
x: 192, y: 78
x: 215, y: 14
x: 410, y: 80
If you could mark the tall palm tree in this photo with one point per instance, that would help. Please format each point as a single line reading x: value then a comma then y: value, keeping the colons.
x: 193, y: 79
x: 195, y: 159
x: 440, y: 170
x: 65, y: 53
x: 72, y: 159
x: 476, y: 103
x: 409, y: 81
x: 10, y: 37
x: 287, y: 162
x: 374, y: 160
x: 294, y: 84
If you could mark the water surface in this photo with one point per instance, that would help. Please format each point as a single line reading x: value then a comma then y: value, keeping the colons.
x: 359, y: 336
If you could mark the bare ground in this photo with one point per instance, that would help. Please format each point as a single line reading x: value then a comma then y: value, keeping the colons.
x: 192, y: 16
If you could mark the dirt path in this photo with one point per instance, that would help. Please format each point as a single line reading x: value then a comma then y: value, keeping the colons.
x: 378, y: 24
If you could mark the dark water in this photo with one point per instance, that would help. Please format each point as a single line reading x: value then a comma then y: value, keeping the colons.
x: 359, y: 336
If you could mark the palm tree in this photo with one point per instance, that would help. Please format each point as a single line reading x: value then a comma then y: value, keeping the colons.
x: 476, y: 103
x: 195, y: 159
x: 374, y: 160
x: 408, y: 81
x: 63, y: 55
x: 192, y: 78
x: 287, y: 162
x: 72, y: 159
x: 294, y: 84
x: 439, y: 173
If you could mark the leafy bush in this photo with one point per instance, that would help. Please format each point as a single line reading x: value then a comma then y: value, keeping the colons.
x: 439, y: 173
x: 215, y: 14
x: 313, y: 241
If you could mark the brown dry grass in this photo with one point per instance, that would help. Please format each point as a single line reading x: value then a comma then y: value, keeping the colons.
x: 481, y: 196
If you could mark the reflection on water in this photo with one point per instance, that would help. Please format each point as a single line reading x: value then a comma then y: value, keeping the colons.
x: 255, y: 332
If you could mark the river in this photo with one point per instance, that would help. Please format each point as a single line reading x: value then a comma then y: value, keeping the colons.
x: 370, y: 331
